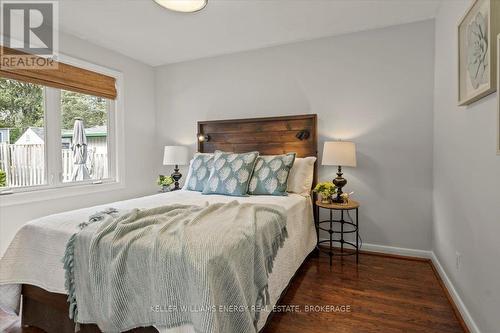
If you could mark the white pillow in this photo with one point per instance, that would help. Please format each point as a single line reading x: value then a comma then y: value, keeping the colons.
x: 190, y: 171
x: 301, y: 176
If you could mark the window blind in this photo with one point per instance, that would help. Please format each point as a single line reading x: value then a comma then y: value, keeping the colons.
x: 65, y: 76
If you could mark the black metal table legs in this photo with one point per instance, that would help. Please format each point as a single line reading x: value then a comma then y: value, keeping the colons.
x: 346, y: 227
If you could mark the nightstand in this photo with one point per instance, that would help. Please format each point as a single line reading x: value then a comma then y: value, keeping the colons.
x: 347, y: 226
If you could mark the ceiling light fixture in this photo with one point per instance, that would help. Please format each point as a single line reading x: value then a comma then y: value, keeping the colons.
x: 184, y: 6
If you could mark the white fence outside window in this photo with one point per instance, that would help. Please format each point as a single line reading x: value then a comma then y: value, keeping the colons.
x: 24, y: 164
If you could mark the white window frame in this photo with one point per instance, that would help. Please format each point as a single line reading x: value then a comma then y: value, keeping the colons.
x: 55, y: 188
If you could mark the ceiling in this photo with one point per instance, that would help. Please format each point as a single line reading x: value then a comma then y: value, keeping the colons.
x: 149, y: 33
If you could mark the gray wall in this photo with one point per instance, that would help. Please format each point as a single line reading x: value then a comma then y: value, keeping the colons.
x: 374, y: 87
x: 466, y: 182
x: 140, y: 155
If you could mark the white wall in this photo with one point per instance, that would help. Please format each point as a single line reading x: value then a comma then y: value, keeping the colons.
x: 140, y: 155
x: 466, y: 205
x: 373, y: 87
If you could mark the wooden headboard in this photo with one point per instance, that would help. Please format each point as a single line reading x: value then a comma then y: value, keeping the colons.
x: 269, y: 136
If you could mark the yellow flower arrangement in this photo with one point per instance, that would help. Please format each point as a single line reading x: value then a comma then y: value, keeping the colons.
x: 325, y: 189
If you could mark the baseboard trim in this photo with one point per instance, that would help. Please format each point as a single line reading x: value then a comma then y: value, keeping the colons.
x: 392, y: 250
x: 462, y: 313
x: 400, y: 251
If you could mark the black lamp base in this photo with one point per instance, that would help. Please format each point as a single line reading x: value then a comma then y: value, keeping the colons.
x: 176, y: 175
x: 339, y: 182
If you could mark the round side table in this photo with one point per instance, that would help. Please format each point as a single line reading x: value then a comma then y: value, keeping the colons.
x: 346, y: 227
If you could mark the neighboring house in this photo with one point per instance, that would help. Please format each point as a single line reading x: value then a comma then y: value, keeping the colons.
x: 5, y: 135
x: 32, y: 136
x: 96, y: 138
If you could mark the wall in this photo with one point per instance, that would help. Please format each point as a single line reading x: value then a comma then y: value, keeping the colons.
x: 140, y: 155
x: 466, y: 205
x: 373, y: 87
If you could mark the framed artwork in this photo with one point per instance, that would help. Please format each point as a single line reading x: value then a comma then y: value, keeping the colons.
x: 477, y: 50
x: 498, y: 94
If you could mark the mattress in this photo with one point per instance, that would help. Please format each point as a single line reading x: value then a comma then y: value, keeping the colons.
x: 34, y: 255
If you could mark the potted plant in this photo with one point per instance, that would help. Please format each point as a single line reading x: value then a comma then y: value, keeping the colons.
x: 3, y: 178
x: 165, y: 182
x: 326, y: 190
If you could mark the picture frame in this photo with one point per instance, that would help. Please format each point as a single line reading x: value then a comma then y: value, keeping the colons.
x: 477, y: 51
x: 498, y: 94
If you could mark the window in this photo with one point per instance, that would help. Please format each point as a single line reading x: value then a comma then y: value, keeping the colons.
x: 89, y: 113
x: 22, y: 117
x: 66, y: 143
x: 55, y: 137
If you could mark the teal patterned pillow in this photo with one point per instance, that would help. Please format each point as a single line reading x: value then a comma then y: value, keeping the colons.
x: 231, y: 173
x: 270, y: 175
x: 199, y: 171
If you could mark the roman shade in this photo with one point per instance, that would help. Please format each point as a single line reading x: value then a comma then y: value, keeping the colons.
x: 65, y: 77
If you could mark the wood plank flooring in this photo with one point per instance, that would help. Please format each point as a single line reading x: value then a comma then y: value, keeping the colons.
x: 385, y: 295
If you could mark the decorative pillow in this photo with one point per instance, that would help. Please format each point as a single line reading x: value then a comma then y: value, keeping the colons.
x: 301, y: 176
x: 230, y: 174
x: 199, y: 171
x: 271, y: 174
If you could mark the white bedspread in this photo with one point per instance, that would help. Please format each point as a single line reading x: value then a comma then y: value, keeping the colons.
x: 34, y: 256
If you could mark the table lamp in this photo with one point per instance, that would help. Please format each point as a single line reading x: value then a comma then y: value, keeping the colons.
x: 175, y: 155
x: 340, y: 153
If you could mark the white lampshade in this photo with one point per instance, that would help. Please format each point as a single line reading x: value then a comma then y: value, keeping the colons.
x: 340, y: 153
x: 175, y: 155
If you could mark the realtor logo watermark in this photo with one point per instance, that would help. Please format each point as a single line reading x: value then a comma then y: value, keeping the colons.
x: 29, y: 34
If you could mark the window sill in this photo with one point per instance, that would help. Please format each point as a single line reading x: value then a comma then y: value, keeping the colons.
x: 20, y: 198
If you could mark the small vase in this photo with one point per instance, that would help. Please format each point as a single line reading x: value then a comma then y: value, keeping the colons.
x: 326, y: 200
x: 165, y: 188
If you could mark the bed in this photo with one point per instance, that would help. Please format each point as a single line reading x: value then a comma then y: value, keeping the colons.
x: 34, y: 257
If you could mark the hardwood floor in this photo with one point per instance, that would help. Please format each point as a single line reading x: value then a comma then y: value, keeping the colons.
x: 384, y: 294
